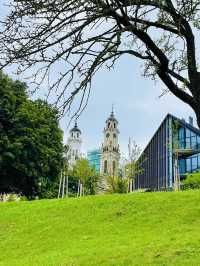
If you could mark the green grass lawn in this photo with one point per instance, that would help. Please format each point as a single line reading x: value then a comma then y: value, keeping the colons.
x: 137, y: 229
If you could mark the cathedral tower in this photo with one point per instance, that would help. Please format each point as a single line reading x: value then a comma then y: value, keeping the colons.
x: 74, y: 145
x: 110, y: 147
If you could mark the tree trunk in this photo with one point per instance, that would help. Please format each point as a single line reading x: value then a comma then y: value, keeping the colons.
x: 197, y: 112
x: 198, y: 118
x: 196, y: 97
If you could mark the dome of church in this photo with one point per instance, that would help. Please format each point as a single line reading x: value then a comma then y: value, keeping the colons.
x: 75, y: 129
x: 112, y: 117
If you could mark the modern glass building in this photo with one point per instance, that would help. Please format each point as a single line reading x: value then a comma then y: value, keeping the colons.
x: 94, y: 158
x: 173, y: 151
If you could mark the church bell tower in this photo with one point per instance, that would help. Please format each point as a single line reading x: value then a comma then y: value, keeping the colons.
x: 74, y: 145
x: 110, y: 148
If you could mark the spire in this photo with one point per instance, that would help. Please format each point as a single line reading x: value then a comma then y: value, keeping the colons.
x: 112, y: 113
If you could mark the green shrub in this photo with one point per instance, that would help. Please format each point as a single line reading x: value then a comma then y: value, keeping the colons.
x: 192, y: 181
x: 117, y: 185
x: 23, y: 198
x: 12, y: 197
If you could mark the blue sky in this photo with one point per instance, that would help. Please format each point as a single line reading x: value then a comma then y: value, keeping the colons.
x: 137, y: 105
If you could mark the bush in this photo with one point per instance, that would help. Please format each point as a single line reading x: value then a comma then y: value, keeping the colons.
x: 192, y: 181
x: 117, y: 185
x: 12, y: 197
x: 23, y: 198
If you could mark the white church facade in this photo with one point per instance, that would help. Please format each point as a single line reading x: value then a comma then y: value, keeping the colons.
x: 109, y: 154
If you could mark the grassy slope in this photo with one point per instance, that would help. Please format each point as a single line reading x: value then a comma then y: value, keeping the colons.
x: 137, y: 229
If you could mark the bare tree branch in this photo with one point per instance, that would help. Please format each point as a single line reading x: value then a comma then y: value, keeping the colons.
x: 82, y: 36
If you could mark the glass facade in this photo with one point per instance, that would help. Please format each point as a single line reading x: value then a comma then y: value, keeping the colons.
x: 190, y: 164
x: 94, y: 158
x: 189, y: 140
x: 173, y: 138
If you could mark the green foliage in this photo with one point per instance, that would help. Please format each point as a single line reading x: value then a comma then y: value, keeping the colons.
x: 23, y: 198
x: 132, y: 169
x: 87, y: 175
x: 116, y: 184
x: 147, y: 229
x: 175, y: 133
x: 12, y: 197
x: 30, y: 143
x: 192, y: 181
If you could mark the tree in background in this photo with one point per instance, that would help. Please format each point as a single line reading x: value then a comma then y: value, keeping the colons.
x: 12, y: 96
x: 132, y: 168
x: 87, y: 34
x: 30, y: 142
x: 68, y: 184
x: 86, y: 176
x: 116, y: 184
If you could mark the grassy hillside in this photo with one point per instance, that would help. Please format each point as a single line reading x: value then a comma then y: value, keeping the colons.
x: 138, y: 229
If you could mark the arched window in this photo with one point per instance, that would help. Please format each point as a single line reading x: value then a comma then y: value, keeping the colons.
x: 107, y: 135
x: 114, y: 136
x: 105, y: 166
x: 108, y: 124
x: 114, y: 125
x: 114, y: 167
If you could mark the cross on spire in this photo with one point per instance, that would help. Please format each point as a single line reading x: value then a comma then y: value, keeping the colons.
x: 112, y: 113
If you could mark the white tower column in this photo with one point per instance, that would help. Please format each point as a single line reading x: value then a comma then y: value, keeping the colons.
x: 74, y: 145
x: 110, y: 148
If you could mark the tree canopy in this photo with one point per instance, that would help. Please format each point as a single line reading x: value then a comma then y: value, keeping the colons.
x: 30, y: 141
x: 87, y: 176
x: 87, y: 34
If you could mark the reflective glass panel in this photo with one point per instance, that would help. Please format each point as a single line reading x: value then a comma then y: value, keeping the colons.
x: 187, y: 143
x: 187, y: 133
x: 198, y: 160
x: 181, y: 133
x: 193, y: 141
x: 194, y: 163
x: 198, y: 142
x: 188, y: 165
x: 182, y: 166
